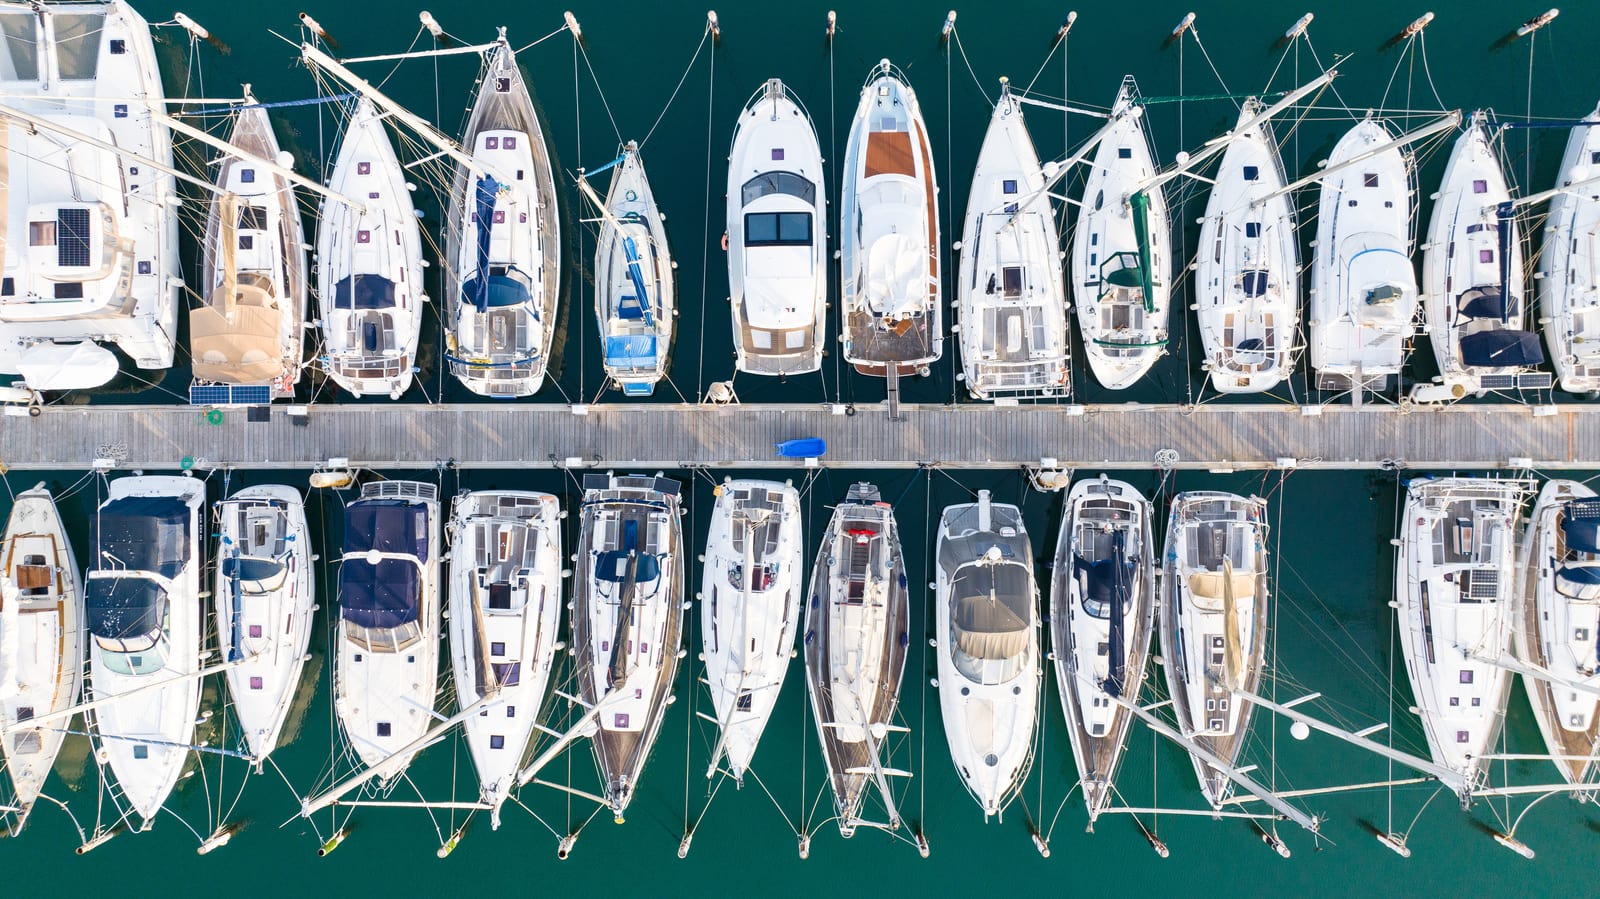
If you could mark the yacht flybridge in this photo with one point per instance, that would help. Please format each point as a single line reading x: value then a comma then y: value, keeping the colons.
x: 988, y: 647
x: 386, y: 657
x: 753, y: 580
x: 91, y: 226
x: 891, y: 317
x: 1363, y: 282
x: 369, y: 264
x: 636, y: 300
x: 1557, y: 625
x: 265, y: 598
x: 1247, y: 270
x: 1122, y: 252
x: 503, y: 240
x: 41, y: 645
x: 1472, y: 279
x: 777, y: 236
x: 1569, y: 264
x: 627, y: 620
x: 1214, y: 624
x: 246, y: 333
x: 1102, y: 617
x: 145, y: 620
x: 1011, y: 303
x: 505, y: 606
x: 1454, y: 593
x: 856, y: 634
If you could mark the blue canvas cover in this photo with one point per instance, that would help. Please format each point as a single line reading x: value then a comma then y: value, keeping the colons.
x: 386, y: 525
x: 478, y: 289
x: 386, y: 594
x: 495, y: 292
x: 364, y: 292
x: 1581, y: 525
x: 631, y: 351
x: 124, y: 607
x: 1487, y: 302
x: 143, y: 533
x: 1496, y: 349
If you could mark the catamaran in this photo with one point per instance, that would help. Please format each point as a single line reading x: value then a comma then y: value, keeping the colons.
x: 635, y: 287
x: 369, y: 264
x: 988, y: 647
x: 1011, y: 301
x: 1102, y: 615
x: 856, y: 633
x: 1122, y: 251
x: 1247, y: 278
x: 245, y: 336
x: 752, y: 583
x: 627, y: 620
x: 265, y: 598
x: 1214, y: 624
x: 1454, y: 593
x: 1472, y: 277
x: 776, y: 240
x: 91, y: 256
x: 145, y: 619
x: 503, y: 240
x: 386, y: 663
x: 505, y: 606
x: 41, y: 648
x: 1569, y: 265
x: 1363, y: 283
x: 889, y: 233
x: 1557, y: 624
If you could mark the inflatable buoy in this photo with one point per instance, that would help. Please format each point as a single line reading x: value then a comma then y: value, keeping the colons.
x: 186, y: 463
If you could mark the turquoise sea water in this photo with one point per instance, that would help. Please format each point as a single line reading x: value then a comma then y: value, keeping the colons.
x: 1331, y: 530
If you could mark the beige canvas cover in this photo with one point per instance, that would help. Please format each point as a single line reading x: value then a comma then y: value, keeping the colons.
x: 245, y: 348
x: 987, y: 629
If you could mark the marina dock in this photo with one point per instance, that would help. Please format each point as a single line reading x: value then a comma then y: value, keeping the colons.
x: 676, y: 436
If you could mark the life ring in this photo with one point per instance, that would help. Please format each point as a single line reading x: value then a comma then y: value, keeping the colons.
x: 630, y: 195
x: 214, y: 416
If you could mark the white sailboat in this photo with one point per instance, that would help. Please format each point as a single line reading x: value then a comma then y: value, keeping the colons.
x: 91, y: 255
x: 856, y: 633
x: 1454, y: 592
x: 41, y: 644
x: 1214, y: 623
x: 1102, y: 617
x: 265, y: 598
x: 245, y: 336
x: 889, y: 233
x: 1557, y: 624
x: 386, y: 661
x: 369, y: 264
x: 502, y: 240
x: 777, y: 238
x: 636, y: 300
x: 1363, y: 284
x: 1247, y: 279
x: 1011, y: 302
x: 988, y: 647
x: 1472, y: 277
x: 505, y: 606
x: 145, y: 621
x: 1569, y: 265
x: 750, y: 593
x: 1122, y: 252
x: 627, y: 620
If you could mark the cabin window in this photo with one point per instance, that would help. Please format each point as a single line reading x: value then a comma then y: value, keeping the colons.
x: 1252, y: 229
x: 496, y: 741
x: 742, y: 704
x: 118, y: 46
x: 41, y: 234
x: 1008, y: 186
x: 69, y: 290
x: 141, y: 751
x: 1124, y: 152
x: 1252, y: 173
x: 1011, y: 278
x: 508, y: 674
x: 22, y: 44
x: 491, y: 143
x: 384, y: 729
x: 787, y: 183
x: 777, y: 154
x: 510, y: 143
x: 1462, y: 736
x: 8, y: 287
x: 1580, y: 634
x: 497, y: 649
x: 252, y: 218
x: 1480, y: 186
x: 1466, y: 677
x: 78, y: 44
x: 1455, y: 700
x: 255, y: 631
x: 257, y: 683
x: 1486, y: 255
x: 247, y: 176
x: 502, y: 85
x: 363, y: 168
x: 1477, y: 701
x: 777, y: 229
x: 1370, y: 179
x: 1103, y: 649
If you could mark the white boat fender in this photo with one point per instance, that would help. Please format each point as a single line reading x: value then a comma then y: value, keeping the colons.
x: 315, y: 27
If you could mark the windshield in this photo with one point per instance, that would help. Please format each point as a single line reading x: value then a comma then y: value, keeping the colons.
x: 777, y: 229
x: 780, y: 183
x: 135, y: 657
x: 383, y: 639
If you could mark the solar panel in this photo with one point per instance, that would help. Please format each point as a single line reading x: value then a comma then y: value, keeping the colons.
x: 1538, y: 380
x: 1497, y: 382
x: 229, y: 394
x: 72, y: 238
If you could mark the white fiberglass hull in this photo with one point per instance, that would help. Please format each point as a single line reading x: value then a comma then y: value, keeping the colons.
x: 636, y: 346
x: 505, y: 605
x: 264, y: 623
x: 1363, y: 283
x: 1010, y: 300
x: 750, y: 596
x: 1569, y: 280
x: 1247, y: 278
x: 41, y: 648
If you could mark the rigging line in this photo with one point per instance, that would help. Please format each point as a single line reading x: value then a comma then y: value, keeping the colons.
x: 1423, y: 46
x: 1061, y: 38
x: 922, y: 657
x: 833, y: 148
x: 577, y: 115
x: 1196, y: 35
x: 604, y: 103
x: 949, y: 201
x: 412, y: 46
x: 705, y: 231
x: 955, y: 40
x: 681, y: 79
x: 537, y: 43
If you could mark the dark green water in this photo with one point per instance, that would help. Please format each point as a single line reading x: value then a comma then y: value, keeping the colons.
x: 1333, y: 627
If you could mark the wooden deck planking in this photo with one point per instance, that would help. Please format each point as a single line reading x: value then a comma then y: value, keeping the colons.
x: 678, y: 435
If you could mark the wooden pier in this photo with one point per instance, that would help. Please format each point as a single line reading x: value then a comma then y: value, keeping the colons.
x: 659, y: 436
